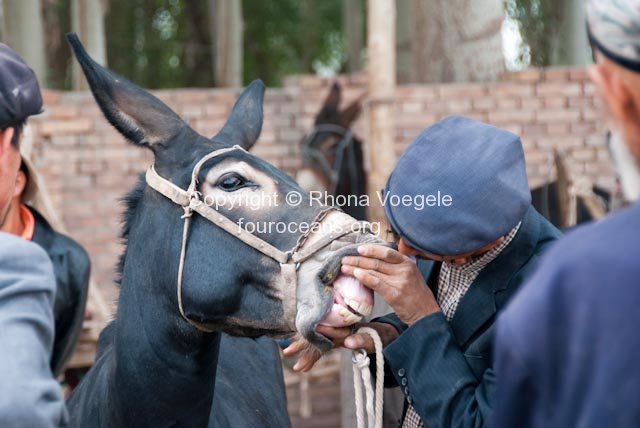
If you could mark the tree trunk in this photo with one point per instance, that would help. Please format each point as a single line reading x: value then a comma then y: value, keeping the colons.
x: 227, y: 33
x: 404, y: 34
x: 457, y: 40
x: 23, y: 31
x: 87, y: 19
x: 571, y: 45
x: 353, y: 28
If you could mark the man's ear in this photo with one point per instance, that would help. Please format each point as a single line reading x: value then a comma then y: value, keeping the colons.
x: 612, y: 90
x: 21, y: 183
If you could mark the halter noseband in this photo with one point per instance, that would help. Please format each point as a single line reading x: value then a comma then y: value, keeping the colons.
x: 310, y: 153
x: 289, y: 261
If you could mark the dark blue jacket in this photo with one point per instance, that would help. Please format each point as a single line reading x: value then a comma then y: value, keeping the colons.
x: 72, y: 269
x: 568, y: 346
x: 445, y: 368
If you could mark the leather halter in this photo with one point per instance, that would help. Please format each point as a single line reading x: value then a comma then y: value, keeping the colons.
x: 344, y: 146
x: 190, y: 200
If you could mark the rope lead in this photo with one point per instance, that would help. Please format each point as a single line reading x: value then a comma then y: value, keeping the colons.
x: 362, y: 377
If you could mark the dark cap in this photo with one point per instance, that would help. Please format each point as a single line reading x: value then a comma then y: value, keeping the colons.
x: 481, y: 172
x: 20, y: 95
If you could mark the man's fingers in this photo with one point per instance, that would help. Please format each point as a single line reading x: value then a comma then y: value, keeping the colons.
x: 336, y: 334
x: 379, y: 252
x: 306, y: 362
x: 360, y: 341
x: 371, y: 279
x: 294, y: 348
x: 368, y: 263
x: 347, y: 270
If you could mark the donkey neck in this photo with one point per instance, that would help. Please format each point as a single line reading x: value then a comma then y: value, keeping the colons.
x: 164, y: 369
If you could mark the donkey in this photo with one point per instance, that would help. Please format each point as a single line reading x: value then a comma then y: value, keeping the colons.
x: 333, y: 161
x: 190, y: 272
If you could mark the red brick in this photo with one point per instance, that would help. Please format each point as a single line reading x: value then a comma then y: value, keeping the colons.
x: 530, y: 75
x: 519, y: 116
x: 557, y: 115
x: 559, y: 89
x: 82, y: 157
x: 76, y: 126
x: 556, y: 74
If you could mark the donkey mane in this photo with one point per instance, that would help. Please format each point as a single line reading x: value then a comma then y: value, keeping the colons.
x: 130, y: 201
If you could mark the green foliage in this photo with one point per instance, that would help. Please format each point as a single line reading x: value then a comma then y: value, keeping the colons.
x: 284, y: 37
x: 169, y: 43
x: 538, y: 21
x: 160, y: 43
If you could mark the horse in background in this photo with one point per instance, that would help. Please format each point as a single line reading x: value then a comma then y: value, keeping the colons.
x: 333, y: 161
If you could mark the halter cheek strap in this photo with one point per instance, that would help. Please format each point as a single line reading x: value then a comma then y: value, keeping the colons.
x: 190, y: 201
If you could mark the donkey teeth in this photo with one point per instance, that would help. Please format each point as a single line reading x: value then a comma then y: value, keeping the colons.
x: 360, y: 307
x: 355, y: 305
x: 349, y: 318
x: 366, y: 309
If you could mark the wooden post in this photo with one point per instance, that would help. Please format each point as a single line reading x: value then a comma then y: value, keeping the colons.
x: 379, y: 108
x: 227, y: 32
x: 381, y: 159
x: 87, y: 19
x: 352, y: 25
x: 23, y: 31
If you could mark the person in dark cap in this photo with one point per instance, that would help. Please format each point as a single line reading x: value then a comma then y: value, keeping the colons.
x: 25, y: 209
x: 458, y: 263
x: 29, y: 394
x: 567, y: 346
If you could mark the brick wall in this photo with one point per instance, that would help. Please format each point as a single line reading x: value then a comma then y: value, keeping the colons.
x: 88, y: 167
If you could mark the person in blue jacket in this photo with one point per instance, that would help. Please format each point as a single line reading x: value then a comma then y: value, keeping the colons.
x: 30, y: 397
x: 459, y: 202
x: 567, y: 346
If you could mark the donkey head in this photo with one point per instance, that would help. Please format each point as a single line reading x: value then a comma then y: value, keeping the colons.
x: 227, y: 285
x: 333, y: 160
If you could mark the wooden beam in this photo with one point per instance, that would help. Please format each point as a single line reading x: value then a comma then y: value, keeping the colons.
x: 379, y: 147
x: 379, y: 109
x: 228, y: 35
x: 87, y: 19
x: 23, y: 30
x: 352, y: 25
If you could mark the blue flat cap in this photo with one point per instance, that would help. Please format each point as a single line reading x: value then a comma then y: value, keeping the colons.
x: 19, y: 90
x: 459, y: 186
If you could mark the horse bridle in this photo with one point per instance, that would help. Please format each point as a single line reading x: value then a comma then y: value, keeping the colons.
x: 190, y: 200
x: 332, y: 172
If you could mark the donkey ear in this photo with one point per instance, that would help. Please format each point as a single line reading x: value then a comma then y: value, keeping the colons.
x: 329, y: 109
x: 134, y: 112
x: 333, y: 99
x: 245, y: 120
x: 351, y: 112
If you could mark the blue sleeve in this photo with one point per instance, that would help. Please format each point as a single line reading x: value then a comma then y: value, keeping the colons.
x: 389, y: 379
x: 521, y: 344
x: 515, y: 392
x: 29, y: 395
x: 435, y: 377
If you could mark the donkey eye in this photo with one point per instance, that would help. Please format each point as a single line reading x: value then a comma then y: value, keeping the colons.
x: 231, y: 182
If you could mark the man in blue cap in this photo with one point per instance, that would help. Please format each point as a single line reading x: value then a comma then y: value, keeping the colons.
x: 567, y: 346
x: 474, y: 248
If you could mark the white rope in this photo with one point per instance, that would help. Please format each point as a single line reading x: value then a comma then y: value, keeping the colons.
x: 362, y: 376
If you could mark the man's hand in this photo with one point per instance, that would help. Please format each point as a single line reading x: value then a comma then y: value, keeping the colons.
x: 342, y: 337
x: 396, y: 278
